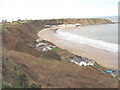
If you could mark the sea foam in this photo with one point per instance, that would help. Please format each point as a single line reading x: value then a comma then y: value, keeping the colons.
x: 91, y: 42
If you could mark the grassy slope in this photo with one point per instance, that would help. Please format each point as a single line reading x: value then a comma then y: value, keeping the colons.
x: 54, y: 73
x: 21, y: 60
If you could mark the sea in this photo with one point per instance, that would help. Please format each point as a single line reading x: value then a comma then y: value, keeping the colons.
x: 102, y: 36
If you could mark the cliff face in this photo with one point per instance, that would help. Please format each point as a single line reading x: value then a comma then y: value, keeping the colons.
x: 85, y: 21
x: 94, y: 21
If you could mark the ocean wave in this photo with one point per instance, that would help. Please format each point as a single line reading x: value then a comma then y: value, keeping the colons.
x: 91, y: 42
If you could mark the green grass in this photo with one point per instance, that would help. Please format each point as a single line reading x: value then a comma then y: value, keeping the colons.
x: 51, y: 55
x: 56, y: 48
x: 44, y: 41
x: 64, y: 54
x: 99, y: 68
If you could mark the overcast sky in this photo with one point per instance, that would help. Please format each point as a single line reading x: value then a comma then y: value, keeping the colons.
x: 47, y: 9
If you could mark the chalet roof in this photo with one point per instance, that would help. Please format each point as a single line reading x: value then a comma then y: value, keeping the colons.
x: 78, y: 59
x: 39, y: 44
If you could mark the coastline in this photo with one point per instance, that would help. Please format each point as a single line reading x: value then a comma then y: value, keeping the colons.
x: 102, y: 57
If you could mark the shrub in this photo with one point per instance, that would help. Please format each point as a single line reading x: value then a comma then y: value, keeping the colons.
x: 51, y: 55
x: 34, y: 86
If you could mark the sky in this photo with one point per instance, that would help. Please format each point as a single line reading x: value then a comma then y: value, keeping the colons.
x: 52, y: 9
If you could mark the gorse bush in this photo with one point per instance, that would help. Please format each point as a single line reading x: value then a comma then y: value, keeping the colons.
x: 51, y: 55
x: 34, y: 86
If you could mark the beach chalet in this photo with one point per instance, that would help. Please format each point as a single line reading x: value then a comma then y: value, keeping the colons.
x: 51, y: 46
x: 47, y: 26
x: 41, y: 44
x: 77, y: 25
x: 82, y: 61
x: 38, y: 40
x: 46, y: 48
x: 53, y: 26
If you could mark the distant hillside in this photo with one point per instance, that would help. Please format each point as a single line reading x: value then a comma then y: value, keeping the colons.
x: 83, y: 21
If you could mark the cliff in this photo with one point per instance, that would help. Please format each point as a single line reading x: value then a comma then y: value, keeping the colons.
x: 84, y: 21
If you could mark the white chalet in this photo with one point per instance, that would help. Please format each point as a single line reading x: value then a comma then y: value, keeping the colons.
x: 82, y: 61
x: 38, y: 39
x: 41, y: 44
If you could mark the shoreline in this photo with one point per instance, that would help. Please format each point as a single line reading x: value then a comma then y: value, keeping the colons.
x: 97, y: 43
x: 102, y: 57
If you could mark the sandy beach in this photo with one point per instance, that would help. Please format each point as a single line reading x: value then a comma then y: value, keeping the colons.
x: 102, y: 57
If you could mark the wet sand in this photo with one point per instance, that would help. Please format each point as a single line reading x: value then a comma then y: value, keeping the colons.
x: 102, y: 57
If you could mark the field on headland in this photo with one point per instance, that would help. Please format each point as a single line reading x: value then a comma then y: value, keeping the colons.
x: 24, y: 66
